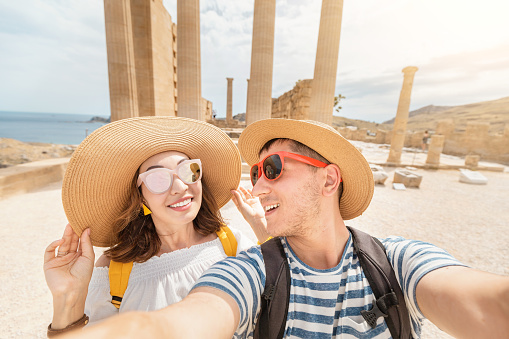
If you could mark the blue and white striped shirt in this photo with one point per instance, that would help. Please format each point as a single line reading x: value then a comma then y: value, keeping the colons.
x: 326, y: 303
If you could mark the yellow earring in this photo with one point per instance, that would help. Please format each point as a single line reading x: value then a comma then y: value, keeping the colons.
x: 146, y: 210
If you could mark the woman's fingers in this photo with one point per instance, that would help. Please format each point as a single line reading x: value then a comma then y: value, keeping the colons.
x: 65, y: 247
x: 247, y: 193
x: 243, y: 190
x: 75, y: 239
x: 86, y: 247
x: 235, y: 197
x: 50, y: 250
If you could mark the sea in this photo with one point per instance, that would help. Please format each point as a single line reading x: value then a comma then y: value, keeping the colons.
x: 53, y: 128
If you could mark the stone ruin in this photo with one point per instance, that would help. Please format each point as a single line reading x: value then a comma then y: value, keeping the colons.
x: 294, y: 104
x: 474, y: 141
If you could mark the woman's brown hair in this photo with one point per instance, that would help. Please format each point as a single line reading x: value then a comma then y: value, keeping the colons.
x: 135, y: 234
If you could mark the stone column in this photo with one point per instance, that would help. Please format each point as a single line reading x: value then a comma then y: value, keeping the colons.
x: 399, y: 130
x: 436, y: 146
x: 229, y: 115
x: 189, y: 60
x: 326, y: 62
x: 247, y: 99
x: 121, y: 65
x: 259, y: 91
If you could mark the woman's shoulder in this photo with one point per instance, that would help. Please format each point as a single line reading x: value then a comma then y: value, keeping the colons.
x: 243, y: 241
x: 103, y: 261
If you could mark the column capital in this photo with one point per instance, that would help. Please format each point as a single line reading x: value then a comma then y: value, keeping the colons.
x: 410, y: 70
x: 229, y: 79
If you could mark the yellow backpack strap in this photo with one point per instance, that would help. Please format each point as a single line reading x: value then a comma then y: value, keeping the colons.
x: 119, y: 277
x: 228, y: 241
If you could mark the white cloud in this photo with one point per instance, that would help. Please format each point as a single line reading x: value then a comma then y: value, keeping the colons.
x: 53, y: 53
x: 53, y: 58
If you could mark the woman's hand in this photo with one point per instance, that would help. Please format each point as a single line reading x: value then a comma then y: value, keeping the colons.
x: 68, y: 274
x: 251, y: 209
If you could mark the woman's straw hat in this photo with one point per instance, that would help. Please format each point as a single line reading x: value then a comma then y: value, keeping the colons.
x: 358, y: 183
x: 97, y: 182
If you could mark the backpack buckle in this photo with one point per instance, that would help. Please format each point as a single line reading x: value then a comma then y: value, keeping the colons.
x: 269, y: 292
x: 373, y: 314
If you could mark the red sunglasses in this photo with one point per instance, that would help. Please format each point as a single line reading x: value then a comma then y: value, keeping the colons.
x: 272, y: 165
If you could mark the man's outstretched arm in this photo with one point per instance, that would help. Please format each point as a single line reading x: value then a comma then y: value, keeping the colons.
x: 465, y: 303
x: 205, y: 313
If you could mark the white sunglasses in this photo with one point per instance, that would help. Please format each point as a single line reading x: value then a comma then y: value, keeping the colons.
x: 159, y: 180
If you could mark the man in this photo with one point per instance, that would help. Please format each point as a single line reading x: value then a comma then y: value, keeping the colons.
x: 309, y: 180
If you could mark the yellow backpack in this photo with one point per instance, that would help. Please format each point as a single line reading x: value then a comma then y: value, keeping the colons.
x: 119, y: 272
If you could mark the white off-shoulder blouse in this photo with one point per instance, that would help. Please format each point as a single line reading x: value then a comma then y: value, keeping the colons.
x: 158, y: 282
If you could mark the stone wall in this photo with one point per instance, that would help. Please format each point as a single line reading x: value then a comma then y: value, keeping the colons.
x: 477, y: 141
x: 293, y: 104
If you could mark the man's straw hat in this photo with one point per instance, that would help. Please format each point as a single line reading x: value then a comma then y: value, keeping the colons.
x: 97, y: 182
x: 358, y: 183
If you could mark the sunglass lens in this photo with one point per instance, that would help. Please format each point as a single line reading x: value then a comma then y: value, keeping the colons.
x: 272, y: 167
x: 254, y: 174
x: 190, y: 172
x: 158, y: 182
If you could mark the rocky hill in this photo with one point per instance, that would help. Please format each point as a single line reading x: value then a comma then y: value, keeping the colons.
x: 14, y: 152
x: 495, y: 112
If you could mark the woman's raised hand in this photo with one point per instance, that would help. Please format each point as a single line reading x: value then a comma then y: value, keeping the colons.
x: 252, y: 210
x: 68, y: 273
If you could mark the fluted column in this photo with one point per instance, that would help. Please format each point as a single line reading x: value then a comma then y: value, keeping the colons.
x: 399, y: 130
x: 259, y: 92
x: 121, y: 65
x: 326, y: 63
x: 189, y: 60
x: 247, y: 98
x: 229, y: 109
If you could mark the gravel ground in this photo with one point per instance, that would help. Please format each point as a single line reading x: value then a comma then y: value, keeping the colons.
x: 469, y: 221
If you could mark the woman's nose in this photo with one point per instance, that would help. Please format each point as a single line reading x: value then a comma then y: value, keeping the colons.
x: 178, y: 185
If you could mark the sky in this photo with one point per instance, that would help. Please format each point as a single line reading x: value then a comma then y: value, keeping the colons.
x: 53, y: 53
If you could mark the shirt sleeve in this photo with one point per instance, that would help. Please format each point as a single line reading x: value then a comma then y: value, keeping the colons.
x: 98, y: 304
x: 411, y: 261
x: 243, y: 278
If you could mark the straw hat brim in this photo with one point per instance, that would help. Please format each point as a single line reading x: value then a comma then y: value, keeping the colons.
x: 358, y: 183
x: 97, y: 182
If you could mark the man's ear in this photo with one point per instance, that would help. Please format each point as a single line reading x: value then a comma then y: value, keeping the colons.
x: 332, y: 180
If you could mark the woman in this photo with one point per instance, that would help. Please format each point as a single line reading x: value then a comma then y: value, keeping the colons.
x: 150, y: 189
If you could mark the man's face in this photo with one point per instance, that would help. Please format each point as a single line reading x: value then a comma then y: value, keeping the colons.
x: 291, y: 202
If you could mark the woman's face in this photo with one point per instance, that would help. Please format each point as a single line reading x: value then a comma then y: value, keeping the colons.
x: 180, y: 204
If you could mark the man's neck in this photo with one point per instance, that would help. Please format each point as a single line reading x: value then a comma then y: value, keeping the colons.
x: 323, y: 248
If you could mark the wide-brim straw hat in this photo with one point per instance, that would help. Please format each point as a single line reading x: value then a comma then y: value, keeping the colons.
x: 358, y: 183
x: 97, y: 183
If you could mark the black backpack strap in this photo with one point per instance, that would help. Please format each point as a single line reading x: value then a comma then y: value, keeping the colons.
x: 271, y: 323
x: 389, y: 300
